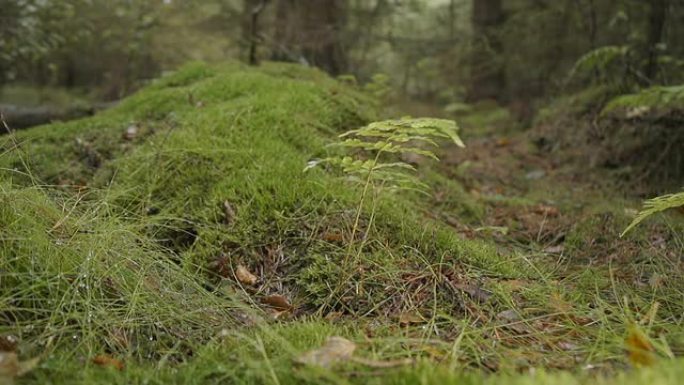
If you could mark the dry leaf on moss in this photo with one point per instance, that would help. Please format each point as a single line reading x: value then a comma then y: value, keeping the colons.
x: 131, y: 132
x: 228, y: 213
x: 335, y: 350
x: 410, y: 318
x: 245, y: 276
x: 11, y: 367
x: 106, y: 361
x: 640, y: 350
x: 8, y: 343
x: 475, y: 292
x: 276, y: 301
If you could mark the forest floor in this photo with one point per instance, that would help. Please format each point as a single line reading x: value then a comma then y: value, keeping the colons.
x: 175, y: 239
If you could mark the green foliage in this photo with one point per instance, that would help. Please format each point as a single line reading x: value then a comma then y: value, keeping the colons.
x: 656, y: 205
x: 379, y: 86
x: 109, y: 45
x: 605, y: 65
x: 599, y: 60
x: 654, y: 98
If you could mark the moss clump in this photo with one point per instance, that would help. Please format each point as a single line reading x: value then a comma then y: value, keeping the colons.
x: 79, y: 278
x: 148, y: 240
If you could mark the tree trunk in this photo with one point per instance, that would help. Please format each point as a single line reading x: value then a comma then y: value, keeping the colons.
x: 452, y: 19
x: 486, y: 69
x: 656, y: 27
x: 312, y: 31
x: 250, y: 28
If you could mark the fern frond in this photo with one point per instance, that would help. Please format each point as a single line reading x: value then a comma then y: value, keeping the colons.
x: 396, y: 136
x: 405, y: 128
x: 658, y: 98
x: 656, y: 205
x: 598, y: 60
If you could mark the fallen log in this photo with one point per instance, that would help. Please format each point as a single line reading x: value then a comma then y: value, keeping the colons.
x: 20, y: 117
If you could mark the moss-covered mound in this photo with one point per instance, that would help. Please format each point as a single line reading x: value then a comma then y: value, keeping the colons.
x: 178, y: 234
x: 154, y: 205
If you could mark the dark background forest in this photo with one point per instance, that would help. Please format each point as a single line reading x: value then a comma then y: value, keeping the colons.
x: 517, y: 52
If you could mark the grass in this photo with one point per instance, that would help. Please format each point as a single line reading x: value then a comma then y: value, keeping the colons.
x: 121, y: 245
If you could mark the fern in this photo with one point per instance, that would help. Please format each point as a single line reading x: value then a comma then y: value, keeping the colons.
x: 374, y: 172
x: 379, y: 86
x: 658, y: 98
x: 598, y: 60
x: 399, y: 137
x: 656, y: 205
x: 384, y: 141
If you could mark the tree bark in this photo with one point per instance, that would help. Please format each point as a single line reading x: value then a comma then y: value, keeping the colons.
x: 486, y: 69
x: 312, y: 32
x: 656, y: 27
x: 250, y: 28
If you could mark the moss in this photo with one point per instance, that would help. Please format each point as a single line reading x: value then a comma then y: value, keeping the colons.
x: 89, y: 282
x: 242, y: 359
x: 210, y: 136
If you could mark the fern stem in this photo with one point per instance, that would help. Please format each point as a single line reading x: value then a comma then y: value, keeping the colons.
x: 359, y: 210
x: 348, y: 271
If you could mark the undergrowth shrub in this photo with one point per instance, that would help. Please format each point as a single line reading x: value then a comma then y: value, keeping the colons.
x: 614, y: 124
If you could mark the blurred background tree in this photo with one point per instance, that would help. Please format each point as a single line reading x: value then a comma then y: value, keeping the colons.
x: 516, y: 53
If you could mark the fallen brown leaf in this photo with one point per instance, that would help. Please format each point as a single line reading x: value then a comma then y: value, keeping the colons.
x: 474, y: 291
x: 131, y: 132
x: 640, y: 351
x: 545, y: 210
x: 559, y: 304
x: 8, y: 343
x: 105, y: 361
x: 277, y: 301
x: 333, y: 236
x: 558, y: 249
x: 11, y: 367
x: 335, y: 350
x: 228, y: 213
x: 408, y: 318
x: 245, y: 276
x: 509, y: 315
